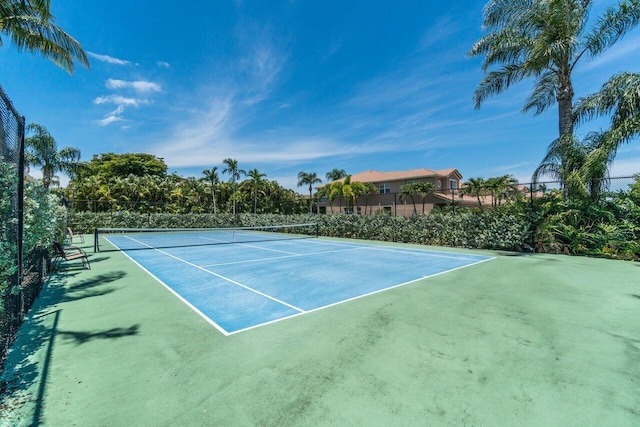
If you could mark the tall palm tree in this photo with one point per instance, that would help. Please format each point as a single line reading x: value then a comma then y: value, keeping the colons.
x: 29, y: 25
x: 545, y: 40
x: 255, y: 176
x: 335, y: 174
x: 211, y: 177
x: 234, y: 175
x: 41, y: 150
x: 308, y: 178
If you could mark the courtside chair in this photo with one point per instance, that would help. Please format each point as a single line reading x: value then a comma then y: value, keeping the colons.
x: 70, y: 236
x: 68, y: 253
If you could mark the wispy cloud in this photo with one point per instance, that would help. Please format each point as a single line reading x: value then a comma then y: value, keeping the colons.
x: 120, y: 100
x: 140, y: 86
x: 108, y: 59
x: 112, y: 117
x: 262, y: 62
x: 163, y: 64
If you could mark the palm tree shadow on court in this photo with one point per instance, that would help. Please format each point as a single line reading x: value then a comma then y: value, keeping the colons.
x: 82, y: 337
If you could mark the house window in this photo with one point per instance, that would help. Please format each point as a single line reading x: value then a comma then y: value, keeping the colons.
x: 384, y: 188
x: 453, y: 184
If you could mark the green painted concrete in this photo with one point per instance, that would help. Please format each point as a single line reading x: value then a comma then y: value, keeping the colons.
x: 521, y: 340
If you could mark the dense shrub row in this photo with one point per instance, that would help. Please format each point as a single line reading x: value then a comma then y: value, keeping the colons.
x: 496, y: 230
x: 552, y: 224
x: 610, y: 229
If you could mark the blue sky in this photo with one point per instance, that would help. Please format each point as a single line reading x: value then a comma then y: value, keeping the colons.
x: 294, y: 85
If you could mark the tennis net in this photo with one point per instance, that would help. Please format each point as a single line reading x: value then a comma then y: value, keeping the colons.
x: 156, y: 238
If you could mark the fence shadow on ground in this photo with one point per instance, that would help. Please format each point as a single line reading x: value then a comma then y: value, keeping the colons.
x: 22, y: 386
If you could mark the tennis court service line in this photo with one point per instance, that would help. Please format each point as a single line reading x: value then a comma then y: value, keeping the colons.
x: 293, y: 255
x: 293, y: 307
x: 421, y: 252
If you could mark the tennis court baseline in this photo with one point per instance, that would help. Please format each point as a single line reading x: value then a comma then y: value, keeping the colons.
x: 245, y: 285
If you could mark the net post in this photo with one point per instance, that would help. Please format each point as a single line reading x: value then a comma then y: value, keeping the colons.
x: 96, y: 246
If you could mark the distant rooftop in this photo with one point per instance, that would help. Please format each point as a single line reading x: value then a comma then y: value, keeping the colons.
x: 378, y: 176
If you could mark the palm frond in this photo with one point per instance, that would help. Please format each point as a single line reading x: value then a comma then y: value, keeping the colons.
x: 496, y: 82
x: 30, y: 27
x: 544, y: 93
x: 611, y: 26
x: 620, y: 96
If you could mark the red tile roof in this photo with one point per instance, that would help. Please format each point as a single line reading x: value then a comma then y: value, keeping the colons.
x: 377, y: 176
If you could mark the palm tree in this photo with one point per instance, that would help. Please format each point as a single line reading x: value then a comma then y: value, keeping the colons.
x: 310, y: 178
x: 545, y: 40
x: 211, y: 177
x: 369, y: 189
x: 348, y: 190
x: 409, y: 190
x: 234, y: 174
x: 475, y: 187
x: 255, y: 177
x: 501, y: 187
x: 358, y: 188
x: 29, y: 24
x: 336, y: 174
x: 41, y: 150
x: 586, y: 161
x: 424, y: 190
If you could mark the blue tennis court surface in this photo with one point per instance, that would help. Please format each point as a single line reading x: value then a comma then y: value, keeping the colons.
x: 244, y: 285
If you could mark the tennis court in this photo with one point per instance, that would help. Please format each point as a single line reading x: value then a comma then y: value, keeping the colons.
x: 523, y: 340
x: 268, y: 276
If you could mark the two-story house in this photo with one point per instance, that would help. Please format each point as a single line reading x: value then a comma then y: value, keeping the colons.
x: 386, y: 194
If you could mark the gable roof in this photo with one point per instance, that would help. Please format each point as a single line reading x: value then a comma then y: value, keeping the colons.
x: 377, y: 176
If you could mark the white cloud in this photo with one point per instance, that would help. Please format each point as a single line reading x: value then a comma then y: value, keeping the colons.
x: 163, y: 64
x: 108, y: 59
x: 120, y: 100
x: 139, y: 86
x: 112, y: 117
x: 262, y: 63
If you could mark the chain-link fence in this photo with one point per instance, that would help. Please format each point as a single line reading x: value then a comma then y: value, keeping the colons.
x: 596, y: 188
x: 13, y: 304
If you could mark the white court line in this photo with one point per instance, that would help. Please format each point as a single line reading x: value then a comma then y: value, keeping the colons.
x: 170, y: 289
x: 359, y: 296
x: 301, y: 311
x: 249, y: 261
x: 267, y: 249
x: 220, y: 276
x: 422, y: 252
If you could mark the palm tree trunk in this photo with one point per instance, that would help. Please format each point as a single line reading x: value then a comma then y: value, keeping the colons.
x: 255, y: 200
x: 565, y: 117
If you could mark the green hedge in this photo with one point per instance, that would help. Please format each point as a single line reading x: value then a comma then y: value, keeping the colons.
x: 496, y: 230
